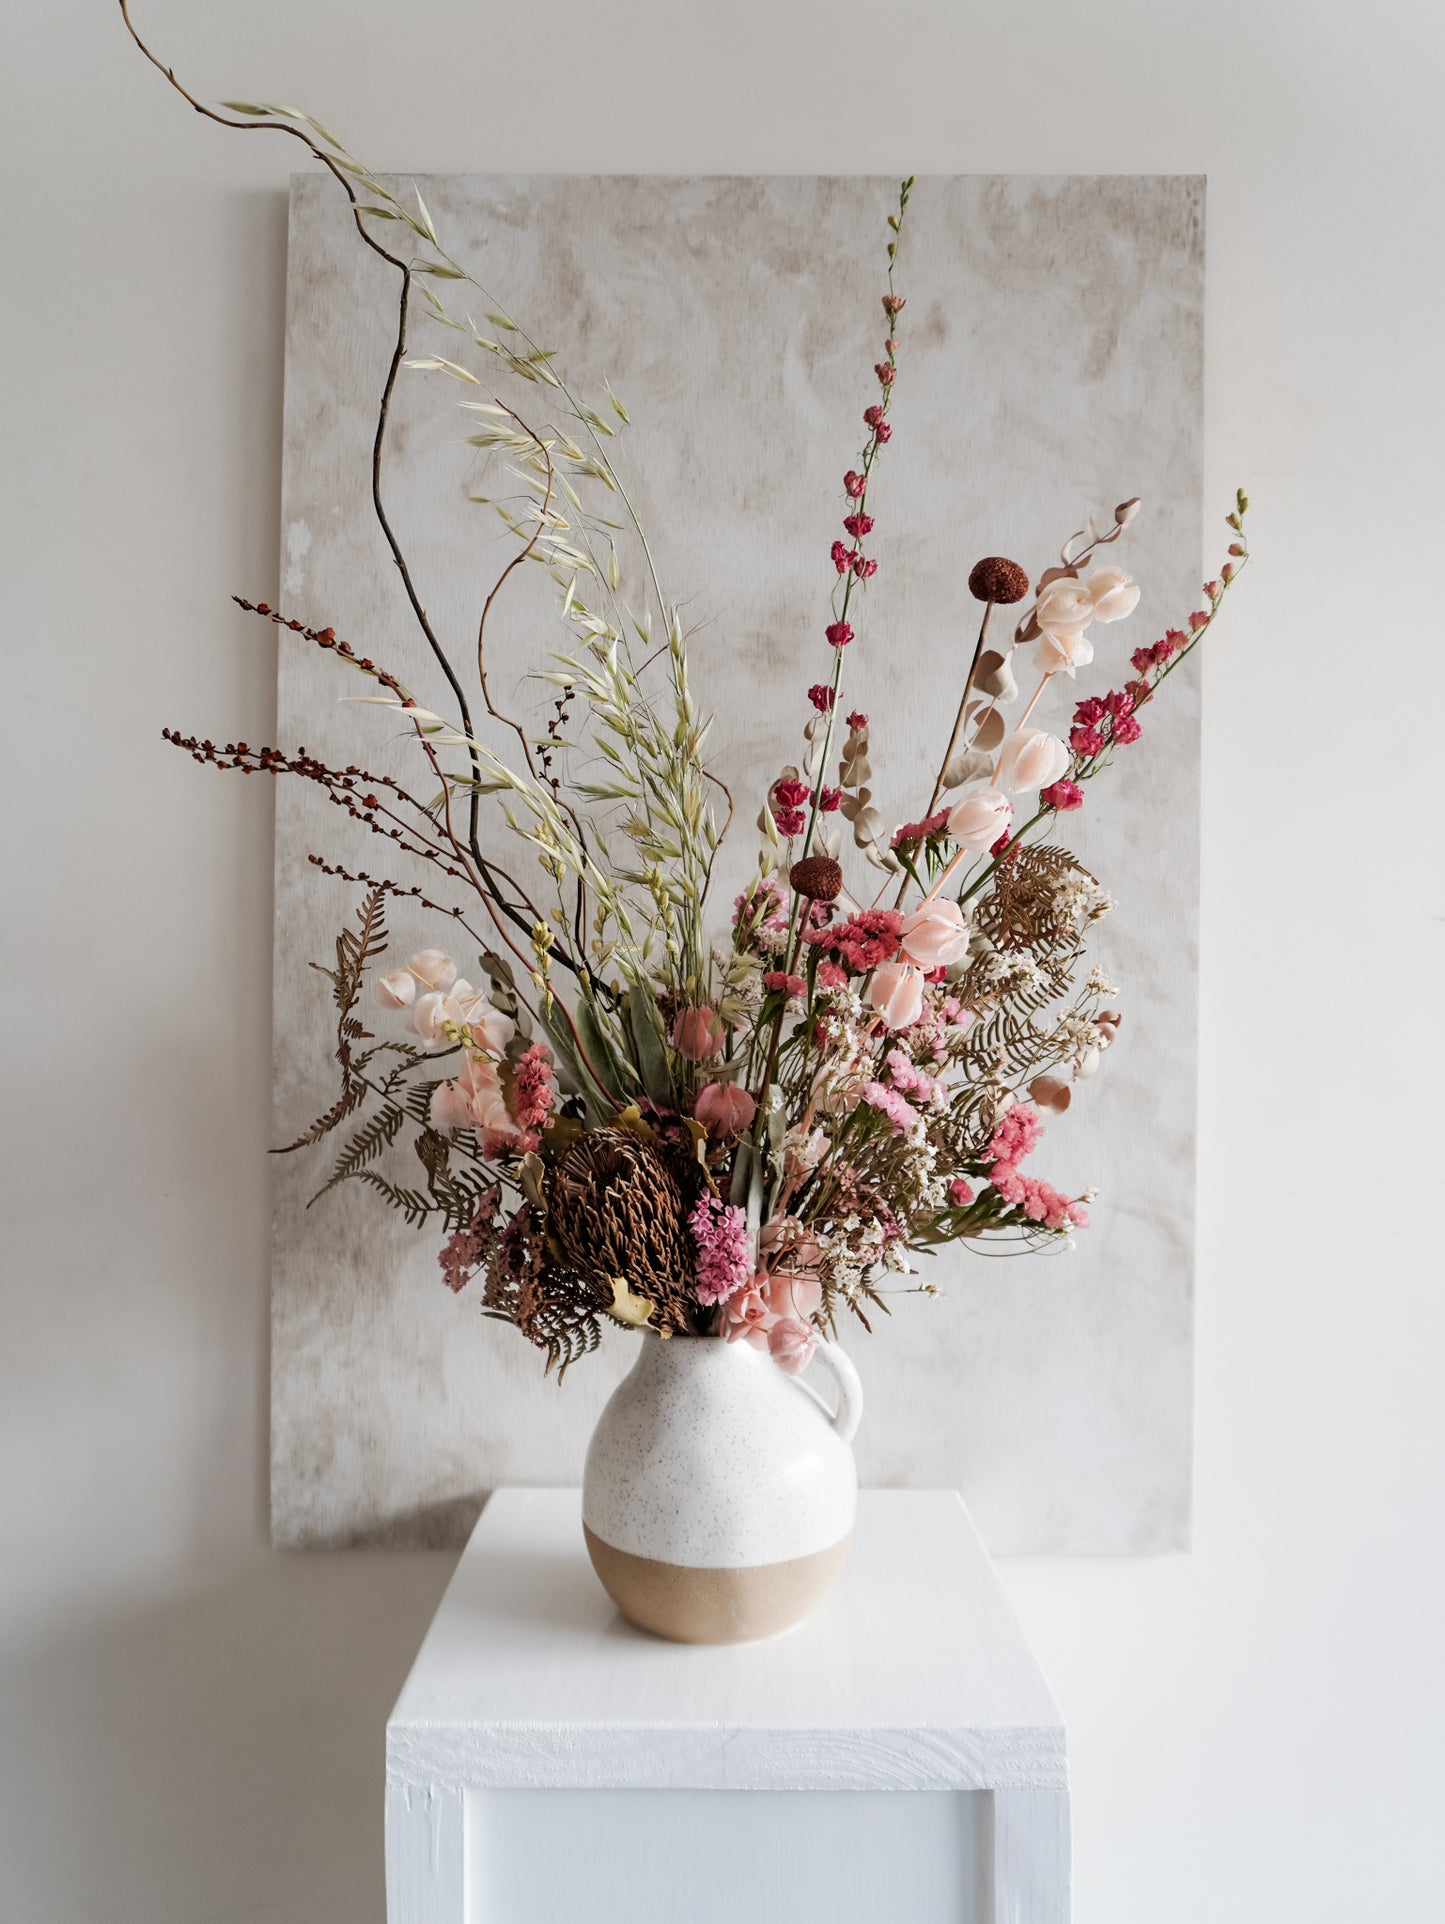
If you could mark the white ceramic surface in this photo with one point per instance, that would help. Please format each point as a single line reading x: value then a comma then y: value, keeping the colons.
x: 709, y: 1456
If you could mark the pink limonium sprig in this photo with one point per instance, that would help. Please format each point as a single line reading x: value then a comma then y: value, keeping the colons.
x: 851, y: 563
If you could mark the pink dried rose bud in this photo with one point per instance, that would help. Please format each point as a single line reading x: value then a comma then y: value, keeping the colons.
x: 791, y: 1344
x: 935, y: 935
x: 396, y: 989
x: 896, y: 992
x: 978, y: 818
x: 434, y: 969
x: 698, y: 1034
x: 724, y: 1108
x: 1032, y: 759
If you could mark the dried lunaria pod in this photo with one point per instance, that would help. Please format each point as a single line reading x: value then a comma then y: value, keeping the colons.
x: 1051, y: 1093
x: 1108, y: 1020
x: 1086, y: 1065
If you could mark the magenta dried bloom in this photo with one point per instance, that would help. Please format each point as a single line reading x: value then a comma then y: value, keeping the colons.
x: 1063, y: 795
x: 854, y: 484
x: 838, y: 632
x: 724, y: 1249
x: 821, y: 695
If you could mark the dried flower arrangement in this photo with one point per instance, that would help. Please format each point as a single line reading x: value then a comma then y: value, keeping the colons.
x: 621, y: 1120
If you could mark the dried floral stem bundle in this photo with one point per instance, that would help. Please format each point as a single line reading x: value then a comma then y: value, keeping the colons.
x: 623, y: 1117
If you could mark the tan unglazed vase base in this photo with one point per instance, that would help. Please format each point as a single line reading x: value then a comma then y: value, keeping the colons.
x: 715, y: 1606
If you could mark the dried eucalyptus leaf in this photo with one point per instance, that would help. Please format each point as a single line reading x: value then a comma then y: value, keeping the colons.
x: 987, y: 728
x: 854, y: 768
x: 968, y: 765
x: 995, y: 676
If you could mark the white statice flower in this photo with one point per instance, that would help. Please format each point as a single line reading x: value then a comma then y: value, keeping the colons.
x: 1098, y: 983
x: 804, y: 1149
x: 1002, y: 972
x: 1077, y: 1034
x: 1077, y: 898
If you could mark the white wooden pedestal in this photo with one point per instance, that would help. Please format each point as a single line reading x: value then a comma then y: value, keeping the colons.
x: 898, y: 1759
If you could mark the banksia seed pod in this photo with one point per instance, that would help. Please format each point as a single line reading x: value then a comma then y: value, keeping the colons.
x: 818, y: 877
x: 615, y: 1208
x: 997, y: 579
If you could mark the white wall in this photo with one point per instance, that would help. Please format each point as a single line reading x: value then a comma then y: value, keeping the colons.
x: 189, y: 1725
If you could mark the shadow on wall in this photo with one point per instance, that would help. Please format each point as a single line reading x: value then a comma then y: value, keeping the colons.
x: 218, y: 1757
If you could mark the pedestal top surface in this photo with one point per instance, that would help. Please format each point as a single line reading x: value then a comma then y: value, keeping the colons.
x: 913, y: 1672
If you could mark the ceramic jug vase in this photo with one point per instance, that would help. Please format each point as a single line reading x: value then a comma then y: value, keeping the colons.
x: 719, y: 1492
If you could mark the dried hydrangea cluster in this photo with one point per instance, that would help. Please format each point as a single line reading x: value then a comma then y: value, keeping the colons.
x: 624, y: 1121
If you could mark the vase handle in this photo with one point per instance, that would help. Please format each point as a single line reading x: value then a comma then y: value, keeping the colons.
x: 849, y: 1412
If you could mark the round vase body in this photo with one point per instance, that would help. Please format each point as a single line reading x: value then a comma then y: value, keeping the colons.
x: 719, y: 1492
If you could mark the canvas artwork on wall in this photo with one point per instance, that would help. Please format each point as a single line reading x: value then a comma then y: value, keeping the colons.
x: 1053, y: 367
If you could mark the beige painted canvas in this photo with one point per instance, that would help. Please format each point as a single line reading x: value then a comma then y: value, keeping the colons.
x: 1050, y: 366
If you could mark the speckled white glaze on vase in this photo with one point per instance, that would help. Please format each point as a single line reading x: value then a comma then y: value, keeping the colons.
x: 719, y: 1492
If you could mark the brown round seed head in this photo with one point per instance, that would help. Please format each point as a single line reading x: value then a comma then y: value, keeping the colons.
x: 817, y: 877
x: 997, y: 579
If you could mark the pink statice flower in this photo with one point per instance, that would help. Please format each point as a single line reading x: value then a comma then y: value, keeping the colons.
x: 830, y: 976
x: 1016, y: 1134
x: 919, y: 831
x: 908, y: 1077
x: 724, y: 1249
x: 1038, y: 1200
x: 864, y: 940
x: 793, y: 986
x: 891, y: 1103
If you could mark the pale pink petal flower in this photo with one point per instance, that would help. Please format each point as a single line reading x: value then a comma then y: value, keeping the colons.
x: 1031, y: 759
x: 978, y: 818
x: 935, y: 935
x: 896, y: 992
x: 434, y: 969
x: 396, y: 989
